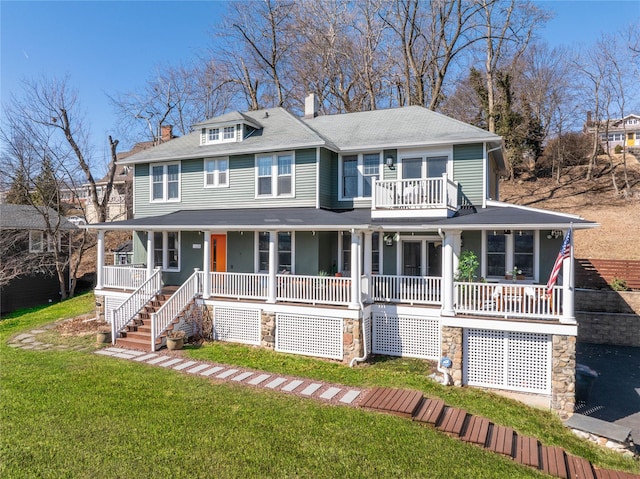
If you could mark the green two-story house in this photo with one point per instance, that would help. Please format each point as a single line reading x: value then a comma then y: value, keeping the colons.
x: 340, y: 236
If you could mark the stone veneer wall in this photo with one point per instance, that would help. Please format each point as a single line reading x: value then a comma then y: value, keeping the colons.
x: 452, y: 348
x: 100, y: 305
x: 268, y: 330
x: 563, y: 375
x: 352, y: 344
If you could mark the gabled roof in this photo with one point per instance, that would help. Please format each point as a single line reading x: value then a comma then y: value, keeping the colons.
x: 396, y: 128
x: 406, y: 127
x: 280, y: 131
x: 19, y: 217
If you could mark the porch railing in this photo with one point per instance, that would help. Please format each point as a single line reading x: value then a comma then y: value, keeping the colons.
x: 134, y: 303
x: 313, y: 289
x: 239, y: 285
x: 174, y: 306
x: 406, y: 289
x: 415, y: 193
x: 123, y: 277
x: 507, y: 300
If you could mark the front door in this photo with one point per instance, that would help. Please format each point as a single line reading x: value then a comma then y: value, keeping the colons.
x: 630, y: 141
x: 218, y: 253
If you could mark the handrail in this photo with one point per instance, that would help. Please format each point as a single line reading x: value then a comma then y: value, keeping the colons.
x: 313, y: 289
x: 239, y: 285
x: 161, y: 319
x: 124, y: 313
x: 406, y: 289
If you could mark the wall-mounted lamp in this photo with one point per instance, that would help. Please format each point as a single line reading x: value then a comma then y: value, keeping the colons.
x: 555, y: 234
x: 389, y: 162
x: 389, y: 239
x: 507, y: 232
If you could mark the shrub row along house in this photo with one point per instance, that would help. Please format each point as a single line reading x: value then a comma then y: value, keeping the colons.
x: 339, y: 236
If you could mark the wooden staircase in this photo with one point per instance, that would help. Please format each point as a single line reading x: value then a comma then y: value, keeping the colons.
x: 137, y: 334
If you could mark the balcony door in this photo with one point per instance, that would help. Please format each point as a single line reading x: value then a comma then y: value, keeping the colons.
x: 424, y: 167
x: 218, y: 253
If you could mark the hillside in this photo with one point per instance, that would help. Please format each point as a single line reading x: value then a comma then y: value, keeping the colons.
x: 619, y: 234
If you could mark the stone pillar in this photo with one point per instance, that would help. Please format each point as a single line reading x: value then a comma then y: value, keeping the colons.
x: 267, y: 330
x: 563, y: 375
x: 206, y: 265
x: 100, y: 260
x: 273, y: 266
x: 452, y: 348
x: 352, y: 340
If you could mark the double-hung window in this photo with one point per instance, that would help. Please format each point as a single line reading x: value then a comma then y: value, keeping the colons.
x: 284, y: 254
x: 216, y: 172
x: 357, y: 173
x: 214, y: 134
x: 166, y: 250
x: 37, y: 242
x: 275, y: 175
x: 165, y: 182
x: 229, y: 133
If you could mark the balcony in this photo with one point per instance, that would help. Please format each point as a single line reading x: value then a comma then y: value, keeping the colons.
x: 433, y: 197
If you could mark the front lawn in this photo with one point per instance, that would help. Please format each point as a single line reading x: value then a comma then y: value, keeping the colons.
x: 80, y: 415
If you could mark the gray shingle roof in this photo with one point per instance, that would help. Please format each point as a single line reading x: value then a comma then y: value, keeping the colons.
x: 498, y: 217
x: 14, y: 217
x: 282, y: 131
x: 394, y: 128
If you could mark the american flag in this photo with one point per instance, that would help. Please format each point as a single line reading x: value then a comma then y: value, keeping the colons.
x: 565, y: 252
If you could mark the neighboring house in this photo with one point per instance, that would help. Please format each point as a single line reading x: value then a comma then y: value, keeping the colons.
x: 27, y: 261
x: 339, y: 236
x: 120, y: 205
x: 623, y: 132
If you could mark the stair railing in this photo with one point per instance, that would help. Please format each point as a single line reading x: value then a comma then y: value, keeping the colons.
x: 128, y: 310
x: 162, y: 318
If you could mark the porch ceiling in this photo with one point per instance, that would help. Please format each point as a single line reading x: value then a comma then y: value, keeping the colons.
x: 313, y: 219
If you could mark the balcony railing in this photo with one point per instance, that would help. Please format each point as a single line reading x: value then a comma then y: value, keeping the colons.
x: 507, y: 300
x: 406, y: 289
x: 239, y: 285
x: 313, y: 289
x: 123, y: 277
x: 424, y: 193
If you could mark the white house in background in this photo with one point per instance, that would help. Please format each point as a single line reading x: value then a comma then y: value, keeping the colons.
x: 340, y: 236
x: 623, y: 132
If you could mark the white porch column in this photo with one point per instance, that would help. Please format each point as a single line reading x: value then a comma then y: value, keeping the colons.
x: 367, y: 253
x: 150, y: 247
x: 568, y: 289
x: 206, y: 265
x: 273, y: 266
x: 457, y: 248
x: 451, y: 239
x: 355, y: 270
x: 100, y: 261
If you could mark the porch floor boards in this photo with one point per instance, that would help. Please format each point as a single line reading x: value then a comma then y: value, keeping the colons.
x: 457, y: 423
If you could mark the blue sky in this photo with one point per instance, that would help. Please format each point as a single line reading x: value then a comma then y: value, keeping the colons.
x: 115, y: 46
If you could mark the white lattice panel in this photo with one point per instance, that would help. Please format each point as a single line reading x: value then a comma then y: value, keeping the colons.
x: 111, y: 303
x: 484, y: 353
x: 237, y: 325
x: 366, y: 327
x: 507, y: 360
x: 406, y: 336
x: 529, y: 357
x: 309, y: 335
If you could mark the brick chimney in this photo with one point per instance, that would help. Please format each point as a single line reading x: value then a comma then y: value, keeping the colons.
x: 166, y: 133
x: 310, y: 106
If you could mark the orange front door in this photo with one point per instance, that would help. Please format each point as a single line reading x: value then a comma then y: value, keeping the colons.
x: 218, y: 253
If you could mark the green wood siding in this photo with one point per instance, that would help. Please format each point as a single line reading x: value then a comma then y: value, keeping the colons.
x: 472, y: 241
x: 240, y: 252
x: 306, y: 253
x: 239, y: 194
x: 388, y: 173
x: 328, y: 178
x: 468, y: 171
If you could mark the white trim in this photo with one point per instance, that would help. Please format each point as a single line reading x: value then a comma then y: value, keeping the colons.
x: 317, y: 177
x: 32, y: 240
x: 425, y: 153
x: 256, y: 249
x: 543, y: 327
x: 165, y: 182
x: 510, y: 253
x: 165, y: 251
x: 274, y: 174
x: 360, y: 174
x: 502, y: 204
x: 324, y: 311
x: 216, y: 172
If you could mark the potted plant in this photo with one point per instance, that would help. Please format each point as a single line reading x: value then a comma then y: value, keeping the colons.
x: 175, y: 340
x: 104, y: 334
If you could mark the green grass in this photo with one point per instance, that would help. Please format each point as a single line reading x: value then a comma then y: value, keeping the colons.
x: 79, y: 415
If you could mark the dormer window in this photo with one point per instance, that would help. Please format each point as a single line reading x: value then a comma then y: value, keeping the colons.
x: 229, y: 133
x: 222, y: 134
x: 214, y: 135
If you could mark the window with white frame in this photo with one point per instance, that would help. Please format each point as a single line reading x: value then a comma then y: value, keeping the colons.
x: 357, y: 173
x: 216, y: 172
x: 219, y: 134
x: 274, y: 175
x: 214, y: 135
x: 346, y: 252
x: 284, y: 251
x: 229, y: 133
x: 36, y: 241
x: 375, y: 253
x: 165, y: 182
x: 515, y: 250
x: 166, y: 250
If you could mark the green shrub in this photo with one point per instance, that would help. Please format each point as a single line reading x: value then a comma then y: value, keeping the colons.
x: 619, y: 284
x: 618, y: 149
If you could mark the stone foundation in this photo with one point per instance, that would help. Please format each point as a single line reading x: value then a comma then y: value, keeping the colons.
x: 353, y: 346
x: 452, y: 348
x: 100, y: 305
x: 267, y: 330
x: 563, y: 375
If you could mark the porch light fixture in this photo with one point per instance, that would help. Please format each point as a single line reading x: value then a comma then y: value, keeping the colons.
x: 555, y: 234
x: 389, y: 162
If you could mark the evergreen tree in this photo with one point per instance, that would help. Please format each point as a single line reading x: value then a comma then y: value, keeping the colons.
x: 46, y: 187
x: 18, y: 193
